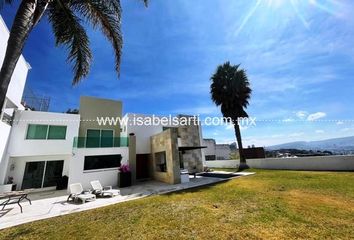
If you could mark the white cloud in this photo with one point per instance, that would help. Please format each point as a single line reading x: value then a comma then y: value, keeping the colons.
x: 340, y: 123
x: 301, y: 114
x: 319, y: 131
x: 347, y: 129
x: 297, y: 134
x: 316, y: 116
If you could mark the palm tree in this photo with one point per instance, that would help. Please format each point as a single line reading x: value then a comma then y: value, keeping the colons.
x: 65, y: 17
x: 230, y: 89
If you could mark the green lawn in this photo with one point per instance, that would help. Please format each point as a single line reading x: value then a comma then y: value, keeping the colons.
x: 268, y: 205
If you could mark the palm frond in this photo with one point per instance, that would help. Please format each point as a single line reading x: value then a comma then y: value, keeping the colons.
x: 70, y: 33
x: 230, y: 89
x: 105, y: 14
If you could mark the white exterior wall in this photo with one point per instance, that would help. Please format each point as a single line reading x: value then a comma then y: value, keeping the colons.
x: 4, y: 136
x: 20, y: 146
x: 222, y: 151
x: 21, y: 150
x: 223, y: 164
x: 321, y: 163
x: 210, y: 144
x: 142, y: 133
x: 13, y: 95
x: 107, y: 177
x: 16, y: 166
x: 18, y: 80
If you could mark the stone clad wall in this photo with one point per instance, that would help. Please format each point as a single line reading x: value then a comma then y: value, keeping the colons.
x: 192, y: 159
x: 166, y: 141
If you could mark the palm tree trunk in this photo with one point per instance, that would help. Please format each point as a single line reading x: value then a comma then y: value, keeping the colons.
x: 22, y: 26
x: 243, y: 163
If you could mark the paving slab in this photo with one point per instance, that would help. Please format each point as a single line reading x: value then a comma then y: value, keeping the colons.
x: 53, y: 203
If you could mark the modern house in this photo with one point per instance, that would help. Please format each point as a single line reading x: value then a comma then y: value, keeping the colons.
x: 45, y: 146
x: 216, y: 151
x: 38, y: 148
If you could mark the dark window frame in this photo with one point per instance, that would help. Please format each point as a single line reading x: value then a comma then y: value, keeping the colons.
x: 102, y: 162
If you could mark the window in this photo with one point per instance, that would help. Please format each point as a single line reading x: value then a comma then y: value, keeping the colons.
x: 57, y: 132
x: 102, y: 161
x: 93, y: 138
x: 160, y: 159
x: 37, y: 131
x: 99, y: 138
x: 107, y: 138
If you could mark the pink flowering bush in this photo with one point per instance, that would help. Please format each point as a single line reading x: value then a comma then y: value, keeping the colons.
x: 124, y: 168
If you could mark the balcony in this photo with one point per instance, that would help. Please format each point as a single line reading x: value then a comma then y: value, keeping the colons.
x: 103, y: 142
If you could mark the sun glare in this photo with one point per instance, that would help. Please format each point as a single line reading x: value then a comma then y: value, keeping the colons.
x: 297, y: 6
x: 275, y: 3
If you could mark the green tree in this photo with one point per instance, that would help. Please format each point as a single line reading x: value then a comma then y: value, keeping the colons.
x: 230, y: 89
x: 65, y: 17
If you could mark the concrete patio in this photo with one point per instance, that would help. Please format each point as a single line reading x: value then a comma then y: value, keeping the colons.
x: 53, y: 203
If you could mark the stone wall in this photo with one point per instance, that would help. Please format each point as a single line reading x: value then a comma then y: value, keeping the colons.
x: 192, y: 159
x: 166, y: 141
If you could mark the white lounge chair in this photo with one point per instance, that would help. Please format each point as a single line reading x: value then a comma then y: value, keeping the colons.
x: 77, y: 192
x: 106, y: 191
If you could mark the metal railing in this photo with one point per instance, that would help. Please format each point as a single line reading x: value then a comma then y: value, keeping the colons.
x: 100, y: 142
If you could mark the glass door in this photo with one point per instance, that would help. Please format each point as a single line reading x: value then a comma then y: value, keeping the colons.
x: 107, y: 138
x: 33, y: 175
x: 93, y: 138
x: 53, y: 172
x: 42, y: 174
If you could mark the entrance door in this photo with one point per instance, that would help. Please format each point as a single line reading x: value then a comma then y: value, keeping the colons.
x: 33, y: 176
x: 42, y: 174
x: 142, y: 166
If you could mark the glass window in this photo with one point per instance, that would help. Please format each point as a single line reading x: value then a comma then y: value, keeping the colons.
x: 57, y: 132
x: 107, y: 138
x: 35, y: 131
x: 93, y: 138
x: 103, y: 161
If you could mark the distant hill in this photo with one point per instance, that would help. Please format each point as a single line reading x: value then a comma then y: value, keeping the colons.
x: 334, y: 144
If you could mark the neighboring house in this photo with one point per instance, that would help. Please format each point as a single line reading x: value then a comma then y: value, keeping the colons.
x: 13, y: 96
x: 209, y: 151
x: 222, y: 151
x: 216, y: 151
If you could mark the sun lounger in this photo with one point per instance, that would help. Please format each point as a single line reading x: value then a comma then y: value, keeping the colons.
x: 77, y: 193
x: 106, y: 191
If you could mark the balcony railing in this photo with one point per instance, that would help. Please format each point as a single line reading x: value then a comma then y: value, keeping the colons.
x: 103, y: 142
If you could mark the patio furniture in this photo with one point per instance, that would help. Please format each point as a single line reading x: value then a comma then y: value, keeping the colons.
x: 105, y: 191
x: 13, y: 197
x: 78, y: 193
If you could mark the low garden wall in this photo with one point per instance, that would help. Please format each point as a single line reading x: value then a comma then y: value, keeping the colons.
x: 323, y: 163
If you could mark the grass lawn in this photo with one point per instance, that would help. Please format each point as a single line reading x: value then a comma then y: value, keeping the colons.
x: 268, y: 205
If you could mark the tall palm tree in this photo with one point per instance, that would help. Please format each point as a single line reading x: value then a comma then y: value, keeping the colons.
x: 230, y: 89
x: 65, y: 17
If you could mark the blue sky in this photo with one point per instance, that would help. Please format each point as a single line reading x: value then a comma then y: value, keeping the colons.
x: 299, y: 56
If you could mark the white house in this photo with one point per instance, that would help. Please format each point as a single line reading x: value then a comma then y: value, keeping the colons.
x: 215, y: 151
x: 13, y: 96
x: 38, y: 150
